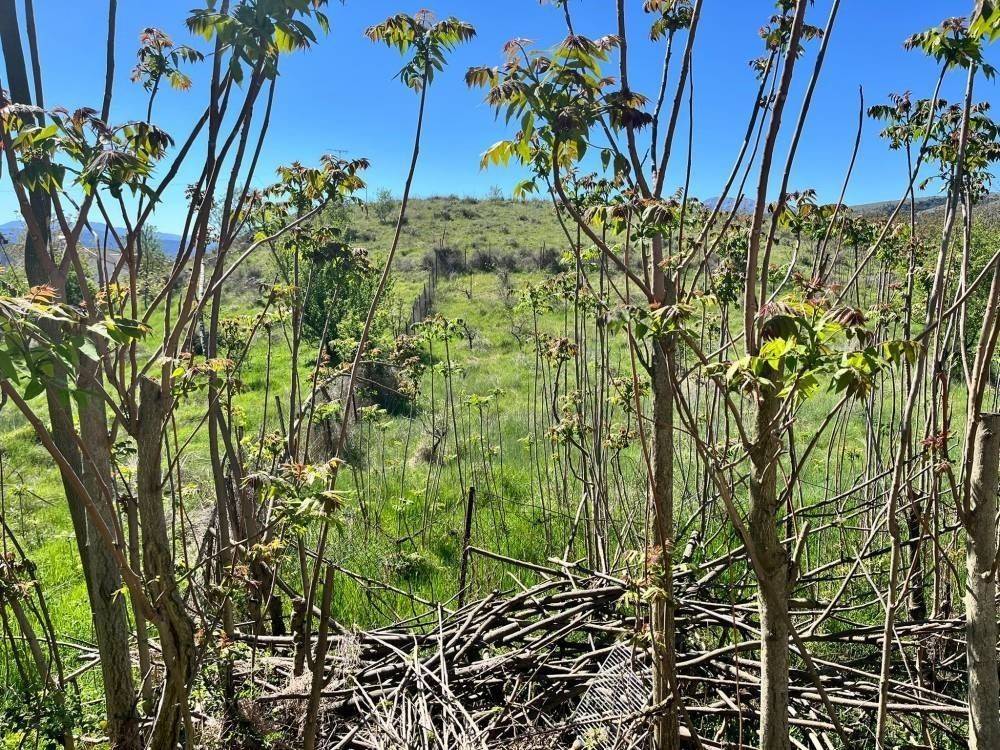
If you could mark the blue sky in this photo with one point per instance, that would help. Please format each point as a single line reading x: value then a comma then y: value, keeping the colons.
x: 340, y: 96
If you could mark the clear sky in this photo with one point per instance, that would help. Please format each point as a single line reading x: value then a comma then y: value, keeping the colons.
x: 340, y: 96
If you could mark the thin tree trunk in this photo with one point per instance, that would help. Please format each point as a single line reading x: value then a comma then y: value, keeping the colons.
x: 102, y: 577
x: 141, y: 630
x: 981, y: 589
x: 666, y: 728
x: 319, y: 668
x: 172, y: 622
x: 773, y: 581
x: 107, y: 604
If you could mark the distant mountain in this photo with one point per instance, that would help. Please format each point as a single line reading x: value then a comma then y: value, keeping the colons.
x: 931, y: 208
x: 747, y: 206
x: 884, y: 208
x: 927, y: 206
x: 171, y: 243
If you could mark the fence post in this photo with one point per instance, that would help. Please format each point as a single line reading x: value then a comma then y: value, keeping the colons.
x: 466, y: 540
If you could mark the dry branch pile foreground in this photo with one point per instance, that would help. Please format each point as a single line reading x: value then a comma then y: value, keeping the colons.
x: 566, y: 663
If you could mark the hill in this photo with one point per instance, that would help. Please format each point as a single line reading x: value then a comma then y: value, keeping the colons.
x: 464, y: 224
x: 930, y: 207
x: 93, y: 235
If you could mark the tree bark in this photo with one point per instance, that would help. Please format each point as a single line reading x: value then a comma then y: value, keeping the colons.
x: 666, y: 730
x: 175, y: 628
x: 981, y: 589
x: 101, y: 576
x: 107, y: 602
x: 666, y: 734
x: 773, y: 580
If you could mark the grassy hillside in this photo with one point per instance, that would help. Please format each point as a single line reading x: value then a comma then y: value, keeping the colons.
x: 501, y: 226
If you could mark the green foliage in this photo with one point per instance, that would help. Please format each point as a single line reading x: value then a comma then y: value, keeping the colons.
x: 158, y: 58
x: 31, y: 358
x: 257, y: 32
x: 429, y: 40
x: 670, y: 16
x: 32, y: 716
x: 154, y: 266
x: 383, y: 206
x: 986, y: 20
x: 954, y: 45
x: 800, y: 354
x: 984, y: 245
x: 778, y: 33
x: 301, y: 493
x: 729, y: 276
x: 906, y: 120
x: 556, y: 98
x: 342, y: 282
x: 116, y: 158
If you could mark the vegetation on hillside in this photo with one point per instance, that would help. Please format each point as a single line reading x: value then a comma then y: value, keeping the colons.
x: 358, y: 470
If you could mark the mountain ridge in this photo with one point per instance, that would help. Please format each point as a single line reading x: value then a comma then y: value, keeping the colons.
x: 93, y: 235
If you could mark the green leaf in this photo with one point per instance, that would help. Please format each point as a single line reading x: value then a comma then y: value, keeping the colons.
x: 499, y: 154
x: 88, y: 350
x: 33, y: 389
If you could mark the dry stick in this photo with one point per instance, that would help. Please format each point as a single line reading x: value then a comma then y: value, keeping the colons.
x: 793, y: 149
x: 934, y: 302
x: 902, y: 201
x: 466, y: 539
x: 668, y: 139
x: 840, y: 199
x: 847, y: 179
x: 750, y: 300
x: 71, y: 477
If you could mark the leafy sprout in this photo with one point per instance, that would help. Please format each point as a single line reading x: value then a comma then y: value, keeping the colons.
x: 954, y: 45
x: 258, y: 31
x: 80, y: 143
x: 158, y: 58
x: 430, y: 40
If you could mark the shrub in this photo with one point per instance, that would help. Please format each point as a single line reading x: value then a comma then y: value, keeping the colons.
x: 449, y: 260
x: 383, y: 206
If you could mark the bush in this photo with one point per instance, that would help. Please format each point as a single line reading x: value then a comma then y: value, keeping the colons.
x: 449, y: 260
x: 342, y: 284
x: 484, y: 260
x: 548, y: 259
x: 383, y: 206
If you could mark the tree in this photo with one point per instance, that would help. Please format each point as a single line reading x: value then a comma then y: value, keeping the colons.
x: 54, y: 159
x: 559, y: 100
x: 383, y: 206
x: 101, y: 576
x: 154, y: 266
x: 426, y: 42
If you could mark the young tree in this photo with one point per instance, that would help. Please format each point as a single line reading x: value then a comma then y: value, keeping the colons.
x: 426, y: 42
x: 383, y: 206
x: 560, y: 100
x: 112, y: 386
x: 153, y: 265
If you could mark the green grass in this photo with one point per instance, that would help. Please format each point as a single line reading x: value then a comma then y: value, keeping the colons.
x: 472, y: 224
x: 403, y: 519
x: 36, y: 508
